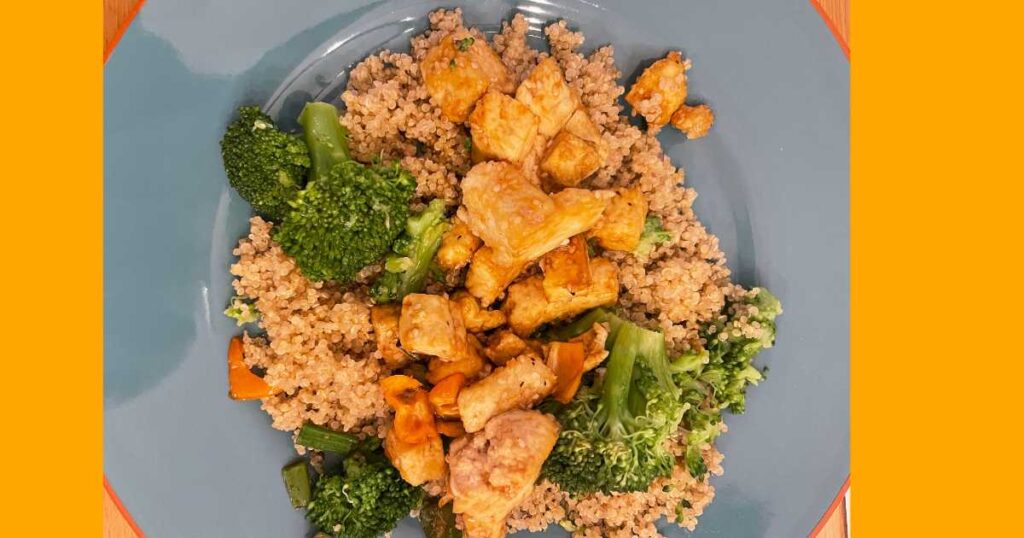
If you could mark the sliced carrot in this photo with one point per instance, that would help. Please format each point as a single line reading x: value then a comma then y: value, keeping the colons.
x: 414, y: 422
x: 451, y: 428
x: 566, y: 360
x: 242, y: 383
x: 445, y: 393
x: 400, y: 390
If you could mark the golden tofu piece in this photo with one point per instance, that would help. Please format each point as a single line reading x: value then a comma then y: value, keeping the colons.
x: 470, y: 366
x: 527, y: 306
x: 502, y: 128
x: 384, y: 319
x: 548, y: 96
x: 581, y: 125
x: 457, y: 246
x: 505, y: 345
x: 517, y: 219
x: 476, y: 318
x: 430, y: 325
x: 566, y: 269
x: 570, y: 159
x: 417, y: 463
x: 459, y: 69
x: 622, y: 224
x: 520, y: 384
x: 694, y: 121
x: 660, y: 89
x: 487, y: 278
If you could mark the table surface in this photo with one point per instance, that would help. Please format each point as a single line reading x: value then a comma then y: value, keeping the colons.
x: 117, y: 14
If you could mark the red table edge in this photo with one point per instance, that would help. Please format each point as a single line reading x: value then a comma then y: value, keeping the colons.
x: 830, y: 511
x: 120, y: 508
x: 109, y: 49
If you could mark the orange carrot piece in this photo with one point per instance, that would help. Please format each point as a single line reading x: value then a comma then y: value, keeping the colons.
x: 242, y: 383
x: 400, y: 390
x: 414, y: 422
x: 451, y: 428
x: 566, y: 360
x: 443, y: 397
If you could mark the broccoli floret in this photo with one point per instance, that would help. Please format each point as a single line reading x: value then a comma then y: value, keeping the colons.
x: 716, y: 379
x: 366, y: 501
x: 407, y: 267
x: 349, y: 214
x: 614, y: 432
x: 242, y: 311
x: 746, y: 327
x: 653, y: 234
x: 266, y: 166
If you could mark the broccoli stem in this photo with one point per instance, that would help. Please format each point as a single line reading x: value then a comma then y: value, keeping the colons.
x: 326, y: 137
x: 296, y: 482
x: 320, y: 438
x: 616, y: 384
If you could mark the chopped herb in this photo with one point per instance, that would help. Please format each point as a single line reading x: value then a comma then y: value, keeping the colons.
x: 464, y: 43
x: 451, y: 64
x: 468, y: 143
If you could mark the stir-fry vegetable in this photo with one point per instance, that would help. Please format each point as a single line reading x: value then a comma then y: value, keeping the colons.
x: 296, y: 483
x: 243, y: 384
x: 327, y: 440
x: 566, y: 360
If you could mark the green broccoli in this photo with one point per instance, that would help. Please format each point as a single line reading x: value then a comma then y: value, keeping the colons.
x: 326, y: 138
x: 653, y: 234
x: 614, y: 432
x: 407, y: 267
x: 349, y: 214
x: 716, y: 379
x: 746, y: 327
x: 266, y: 166
x: 242, y: 311
x: 366, y: 501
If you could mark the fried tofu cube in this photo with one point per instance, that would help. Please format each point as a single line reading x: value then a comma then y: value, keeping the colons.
x: 622, y: 224
x: 477, y: 319
x: 566, y: 269
x: 505, y: 345
x: 384, y: 319
x: 431, y: 325
x: 457, y: 246
x: 694, y: 121
x: 470, y: 365
x: 459, y: 69
x: 520, y: 384
x: 660, y: 90
x: 546, y: 94
x: 570, y: 159
x: 487, y: 278
x: 517, y: 219
x: 527, y: 306
x: 581, y: 125
x: 502, y: 128
x: 417, y: 463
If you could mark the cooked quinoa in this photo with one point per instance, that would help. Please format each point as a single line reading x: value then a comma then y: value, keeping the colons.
x: 319, y: 348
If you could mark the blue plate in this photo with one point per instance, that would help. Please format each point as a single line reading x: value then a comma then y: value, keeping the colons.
x: 773, y: 183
